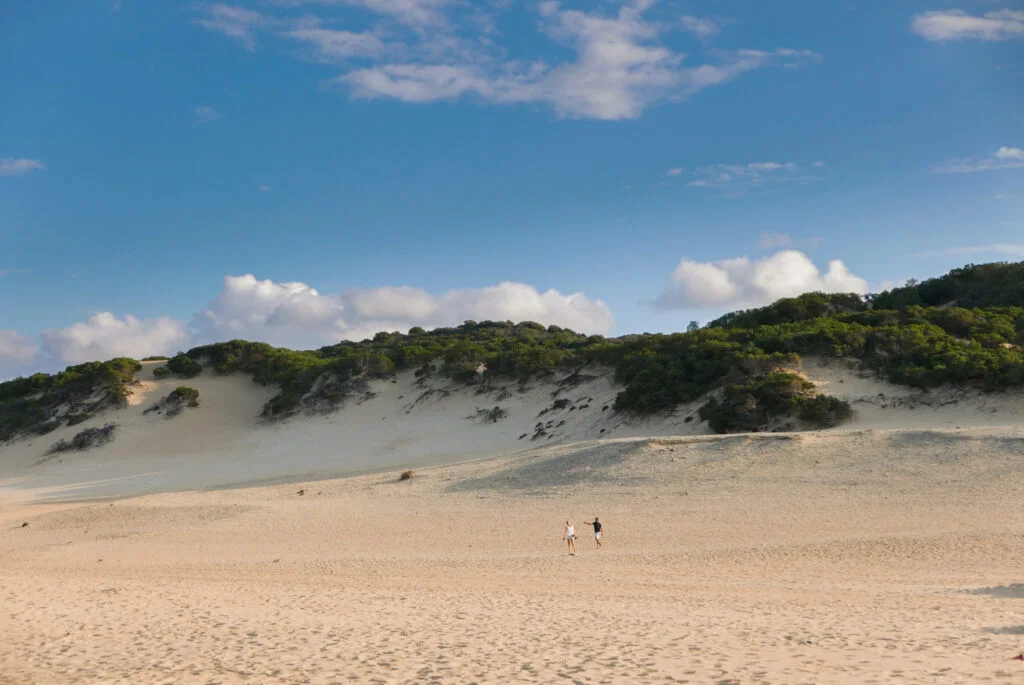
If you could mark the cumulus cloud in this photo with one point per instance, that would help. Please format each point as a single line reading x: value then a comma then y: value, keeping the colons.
x: 12, y: 166
x: 105, y: 336
x: 741, y: 282
x: 1003, y: 158
x: 16, y: 347
x: 940, y: 26
x: 296, y: 315
x: 617, y: 64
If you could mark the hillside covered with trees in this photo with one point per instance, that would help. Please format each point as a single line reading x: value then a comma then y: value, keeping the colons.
x: 966, y: 327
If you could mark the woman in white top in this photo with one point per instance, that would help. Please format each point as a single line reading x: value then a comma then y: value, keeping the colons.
x: 570, y: 537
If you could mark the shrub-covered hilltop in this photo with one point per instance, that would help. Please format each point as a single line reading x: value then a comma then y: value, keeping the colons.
x: 965, y: 328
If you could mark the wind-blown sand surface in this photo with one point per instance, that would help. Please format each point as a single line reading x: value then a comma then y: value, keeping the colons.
x: 857, y: 556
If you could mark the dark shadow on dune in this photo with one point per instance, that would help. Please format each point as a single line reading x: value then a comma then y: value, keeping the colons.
x: 1012, y: 591
x: 541, y: 474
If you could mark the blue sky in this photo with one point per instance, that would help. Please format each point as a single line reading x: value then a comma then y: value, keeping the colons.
x: 300, y: 171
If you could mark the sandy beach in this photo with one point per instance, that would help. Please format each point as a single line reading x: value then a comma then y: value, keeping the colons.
x: 864, y: 556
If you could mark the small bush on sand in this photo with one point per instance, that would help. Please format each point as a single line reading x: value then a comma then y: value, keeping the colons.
x: 161, y: 372
x: 407, y: 475
x: 185, y: 395
x: 185, y: 366
x: 90, y: 437
x: 491, y: 415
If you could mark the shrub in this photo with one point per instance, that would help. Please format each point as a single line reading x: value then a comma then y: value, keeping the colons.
x: 183, y: 394
x: 407, y: 475
x: 161, y: 372
x: 491, y: 415
x: 184, y: 366
x: 75, y: 419
x: 761, y: 403
x: 155, y: 358
x: 90, y: 437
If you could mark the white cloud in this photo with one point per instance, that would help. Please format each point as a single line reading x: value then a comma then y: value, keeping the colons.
x: 703, y: 27
x: 946, y: 25
x: 1000, y: 249
x: 234, y: 22
x: 740, y: 282
x: 1003, y: 158
x: 418, y: 83
x: 329, y: 45
x: 12, y: 166
x: 738, y: 178
x: 618, y: 64
x: 819, y: 165
x: 416, y: 13
x: 296, y: 315
x: 674, y: 171
x: 105, y: 336
x: 17, y: 347
x: 1014, y: 153
x: 205, y: 114
x: 265, y: 189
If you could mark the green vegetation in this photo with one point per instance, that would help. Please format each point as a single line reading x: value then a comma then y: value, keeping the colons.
x: 90, y: 437
x: 161, y: 372
x: 184, y: 395
x: 976, y: 285
x: 963, y: 328
x: 155, y: 358
x: 183, y: 365
x: 31, y: 405
x: 771, y: 401
x: 176, y: 400
x: 492, y: 415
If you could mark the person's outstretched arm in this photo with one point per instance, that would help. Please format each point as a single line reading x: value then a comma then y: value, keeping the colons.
x: 589, y: 523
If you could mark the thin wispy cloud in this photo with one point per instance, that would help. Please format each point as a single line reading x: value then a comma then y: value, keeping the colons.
x: 265, y: 189
x: 12, y: 272
x: 674, y: 171
x: 950, y: 25
x: 13, y: 166
x: 1003, y: 158
x: 617, y: 64
x: 205, y: 114
x: 704, y: 27
x: 236, y: 23
x: 736, y: 179
x: 331, y: 45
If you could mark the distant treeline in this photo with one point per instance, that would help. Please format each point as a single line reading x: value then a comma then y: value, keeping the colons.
x: 965, y: 327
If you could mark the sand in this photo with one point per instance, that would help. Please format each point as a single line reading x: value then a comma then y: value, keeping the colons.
x: 883, y: 552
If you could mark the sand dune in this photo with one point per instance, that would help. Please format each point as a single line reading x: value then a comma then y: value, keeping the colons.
x: 890, y: 551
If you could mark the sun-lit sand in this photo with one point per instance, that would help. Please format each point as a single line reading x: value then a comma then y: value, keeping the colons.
x: 888, y: 551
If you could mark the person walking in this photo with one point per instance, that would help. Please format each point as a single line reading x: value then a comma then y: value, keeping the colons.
x: 596, y: 525
x: 570, y: 537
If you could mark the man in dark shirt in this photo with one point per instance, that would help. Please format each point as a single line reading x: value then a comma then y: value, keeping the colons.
x: 596, y: 525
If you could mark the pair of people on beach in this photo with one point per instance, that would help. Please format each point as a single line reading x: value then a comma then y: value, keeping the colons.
x: 570, y: 533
